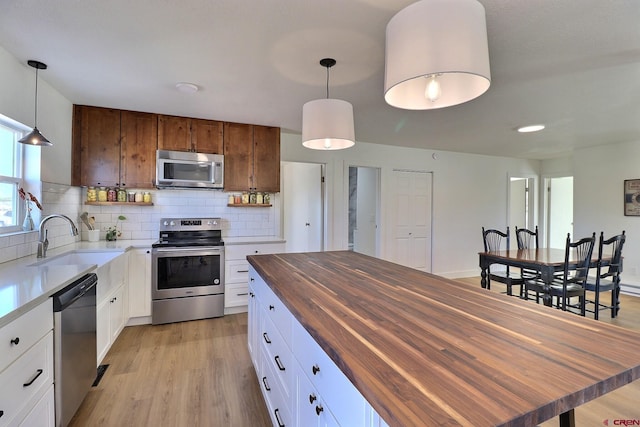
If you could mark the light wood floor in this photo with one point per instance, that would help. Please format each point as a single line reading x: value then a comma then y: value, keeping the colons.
x: 199, y: 374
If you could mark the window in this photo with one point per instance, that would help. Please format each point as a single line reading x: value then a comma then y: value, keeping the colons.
x: 11, y: 208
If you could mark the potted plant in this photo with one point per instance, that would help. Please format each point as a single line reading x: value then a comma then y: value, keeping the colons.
x: 112, y: 231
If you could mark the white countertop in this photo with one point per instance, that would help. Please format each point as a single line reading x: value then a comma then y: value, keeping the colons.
x: 23, y: 286
x: 252, y: 240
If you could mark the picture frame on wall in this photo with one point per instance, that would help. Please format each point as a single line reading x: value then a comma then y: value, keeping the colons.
x: 632, y: 197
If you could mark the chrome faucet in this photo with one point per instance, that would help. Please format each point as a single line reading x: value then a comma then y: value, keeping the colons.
x: 43, y: 242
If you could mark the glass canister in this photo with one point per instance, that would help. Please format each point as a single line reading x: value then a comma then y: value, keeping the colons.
x: 266, y: 199
x: 111, y: 194
x: 139, y: 197
x: 245, y: 198
x: 230, y: 199
x: 252, y: 198
x: 131, y: 196
x: 121, y: 195
x: 92, y: 194
x: 102, y: 194
x: 146, y: 197
x: 237, y: 199
x: 259, y: 198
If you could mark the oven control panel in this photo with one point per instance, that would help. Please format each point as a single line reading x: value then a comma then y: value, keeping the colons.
x: 190, y: 224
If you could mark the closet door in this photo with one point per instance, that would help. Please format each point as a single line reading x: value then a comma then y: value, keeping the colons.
x: 412, y: 219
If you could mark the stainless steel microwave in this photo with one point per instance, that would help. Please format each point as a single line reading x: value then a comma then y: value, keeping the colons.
x: 180, y: 169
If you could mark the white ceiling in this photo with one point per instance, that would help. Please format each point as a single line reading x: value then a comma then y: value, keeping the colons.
x: 573, y: 65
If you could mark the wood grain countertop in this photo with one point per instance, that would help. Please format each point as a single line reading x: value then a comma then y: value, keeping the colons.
x: 425, y: 350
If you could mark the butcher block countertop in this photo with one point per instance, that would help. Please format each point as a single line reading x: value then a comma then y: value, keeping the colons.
x: 425, y: 350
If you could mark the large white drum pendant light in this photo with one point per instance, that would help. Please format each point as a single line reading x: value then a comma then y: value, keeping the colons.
x: 436, y: 55
x: 327, y: 124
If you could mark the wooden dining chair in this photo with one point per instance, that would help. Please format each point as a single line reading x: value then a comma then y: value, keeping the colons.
x: 607, y: 275
x: 571, y: 282
x: 527, y: 239
x: 496, y: 240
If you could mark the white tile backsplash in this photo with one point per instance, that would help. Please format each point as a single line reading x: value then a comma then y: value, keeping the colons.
x: 142, y: 221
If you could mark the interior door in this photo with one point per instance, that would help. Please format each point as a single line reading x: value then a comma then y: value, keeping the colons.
x: 559, y: 210
x: 303, y: 220
x: 518, y: 204
x: 412, y: 219
x: 363, y: 209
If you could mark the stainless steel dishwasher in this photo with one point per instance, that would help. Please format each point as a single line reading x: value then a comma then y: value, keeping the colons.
x: 74, y: 332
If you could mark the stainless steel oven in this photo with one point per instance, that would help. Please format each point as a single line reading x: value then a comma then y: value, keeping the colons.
x: 187, y: 270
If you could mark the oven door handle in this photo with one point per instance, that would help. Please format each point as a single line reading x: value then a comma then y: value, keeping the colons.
x: 189, y: 249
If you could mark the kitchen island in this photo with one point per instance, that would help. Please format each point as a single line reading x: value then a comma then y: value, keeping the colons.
x: 425, y: 350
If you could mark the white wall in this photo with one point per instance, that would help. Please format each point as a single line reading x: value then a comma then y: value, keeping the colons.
x: 17, y: 96
x: 469, y: 191
x: 598, y: 199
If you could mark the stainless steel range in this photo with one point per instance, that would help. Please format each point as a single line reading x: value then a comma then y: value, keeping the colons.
x: 187, y: 270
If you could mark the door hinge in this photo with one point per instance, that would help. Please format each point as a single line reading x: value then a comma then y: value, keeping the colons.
x: 322, y: 179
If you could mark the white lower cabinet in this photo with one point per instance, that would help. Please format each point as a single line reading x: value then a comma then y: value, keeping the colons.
x: 140, y: 285
x: 300, y: 383
x: 237, y: 272
x: 110, y: 320
x: 26, y: 369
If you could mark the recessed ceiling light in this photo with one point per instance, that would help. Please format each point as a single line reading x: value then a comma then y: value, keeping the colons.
x: 531, y: 128
x: 186, y: 87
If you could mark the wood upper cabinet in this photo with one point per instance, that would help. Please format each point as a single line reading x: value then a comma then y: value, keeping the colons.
x: 251, y: 158
x: 138, y: 141
x: 113, y: 147
x: 96, y: 146
x: 187, y: 134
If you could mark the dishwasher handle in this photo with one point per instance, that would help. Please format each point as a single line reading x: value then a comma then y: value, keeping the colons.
x: 72, y: 292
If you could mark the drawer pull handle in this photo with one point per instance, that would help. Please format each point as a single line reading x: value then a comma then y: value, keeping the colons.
x: 1, y: 414
x: 266, y: 386
x: 319, y: 409
x: 315, y: 369
x: 312, y: 398
x: 15, y: 341
x: 271, y: 307
x: 279, y: 363
x: 266, y: 338
x: 252, y: 279
x: 242, y: 271
x: 241, y: 295
x: 277, y: 414
x: 33, y: 379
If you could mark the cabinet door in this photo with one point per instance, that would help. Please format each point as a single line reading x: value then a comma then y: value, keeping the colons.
x: 117, y: 313
x: 238, y: 156
x: 103, y: 333
x: 140, y: 283
x: 174, y: 133
x: 139, y: 132
x: 206, y: 136
x: 266, y: 159
x: 97, y: 146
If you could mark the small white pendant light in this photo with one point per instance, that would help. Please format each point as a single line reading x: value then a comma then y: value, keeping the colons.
x: 327, y: 124
x: 35, y: 137
x: 436, y: 55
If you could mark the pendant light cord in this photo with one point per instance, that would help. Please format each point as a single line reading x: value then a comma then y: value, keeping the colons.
x: 328, y: 82
x: 35, y: 120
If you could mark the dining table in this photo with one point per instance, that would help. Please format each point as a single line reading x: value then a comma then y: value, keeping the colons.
x: 548, y: 262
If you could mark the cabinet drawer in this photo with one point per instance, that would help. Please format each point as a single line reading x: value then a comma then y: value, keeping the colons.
x: 19, y: 335
x: 344, y: 400
x: 43, y: 413
x: 275, y: 310
x: 279, y: 356
x: 237, y: 271
x: 276, y: 403
x: 26, y: 379
x: 240, y: 252
x: 311, y: 409
x: 236, y: 294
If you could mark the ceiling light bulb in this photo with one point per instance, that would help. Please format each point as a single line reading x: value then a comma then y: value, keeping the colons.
x: 433, y: 90
x: 532, y: 128
x: 327, y: 143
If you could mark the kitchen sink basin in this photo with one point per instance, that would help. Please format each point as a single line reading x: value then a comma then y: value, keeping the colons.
x: 78, y: 258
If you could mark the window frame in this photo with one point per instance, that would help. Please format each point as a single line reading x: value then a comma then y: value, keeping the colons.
x: 19, y: 130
